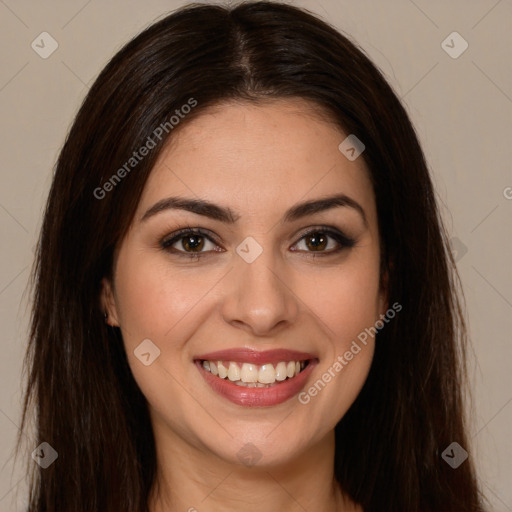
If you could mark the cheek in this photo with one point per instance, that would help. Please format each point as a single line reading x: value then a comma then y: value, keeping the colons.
x: 353, y: 308
x: 347, y: 302
x: 151, y: 300
x: 148, y: 309
x: 346, y: 298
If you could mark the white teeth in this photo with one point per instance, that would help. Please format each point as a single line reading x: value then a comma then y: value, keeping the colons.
x: 233, y: 372
x: 223, y: 371
x: 252, y: 375
x: 249, y: 373
x: 267, y: 374
x: 252, y: 384
x: 290, y: 369
x: 281, y: 371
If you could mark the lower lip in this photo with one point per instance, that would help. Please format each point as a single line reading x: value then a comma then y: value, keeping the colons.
x: 257, y: 397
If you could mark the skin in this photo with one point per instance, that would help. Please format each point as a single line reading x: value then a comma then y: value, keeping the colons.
x: 258, y: 160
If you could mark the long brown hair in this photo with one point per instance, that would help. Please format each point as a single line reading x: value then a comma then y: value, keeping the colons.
x: 87, y: 404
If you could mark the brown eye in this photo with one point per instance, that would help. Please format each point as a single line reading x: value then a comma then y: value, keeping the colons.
x: 192, y: 243
x: 188, y: 243
x: 325, y: 241
x: 316, y: 241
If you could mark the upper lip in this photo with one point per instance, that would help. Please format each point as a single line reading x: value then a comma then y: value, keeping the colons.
x: 247, y: 355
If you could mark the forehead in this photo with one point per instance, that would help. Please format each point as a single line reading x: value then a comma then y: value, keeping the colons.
x: 257, y: 156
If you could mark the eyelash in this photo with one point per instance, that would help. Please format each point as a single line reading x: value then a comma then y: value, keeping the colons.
x: 345, y: 241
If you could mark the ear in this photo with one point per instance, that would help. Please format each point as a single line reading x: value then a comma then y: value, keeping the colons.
x: 108, y: 302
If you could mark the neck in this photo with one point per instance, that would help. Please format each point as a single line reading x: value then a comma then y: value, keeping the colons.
x: 192, y: 479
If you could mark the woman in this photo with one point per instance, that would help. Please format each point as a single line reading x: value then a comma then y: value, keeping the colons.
x: 244, y: 297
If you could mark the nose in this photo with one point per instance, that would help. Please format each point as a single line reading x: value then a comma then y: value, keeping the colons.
x: 260, y: 297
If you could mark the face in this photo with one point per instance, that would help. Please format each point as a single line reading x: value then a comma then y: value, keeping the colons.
x: 280, y: 274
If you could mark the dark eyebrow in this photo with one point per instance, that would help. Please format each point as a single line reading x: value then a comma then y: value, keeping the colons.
x: 223, y: 214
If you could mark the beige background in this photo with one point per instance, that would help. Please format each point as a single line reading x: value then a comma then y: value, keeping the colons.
x: 462, y: 109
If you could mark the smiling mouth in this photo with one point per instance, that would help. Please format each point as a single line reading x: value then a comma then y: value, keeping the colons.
x: 255, y: 376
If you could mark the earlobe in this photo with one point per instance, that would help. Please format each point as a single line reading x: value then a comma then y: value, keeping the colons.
x: 108, y: 303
